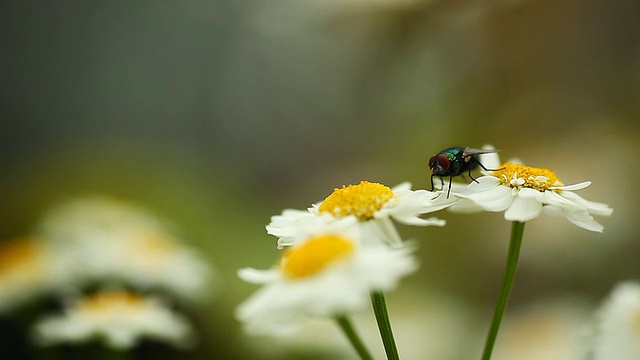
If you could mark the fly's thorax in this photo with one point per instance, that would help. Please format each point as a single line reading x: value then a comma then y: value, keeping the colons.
x: 472, y: 162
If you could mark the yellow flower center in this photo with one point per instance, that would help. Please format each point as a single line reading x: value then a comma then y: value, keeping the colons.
x: 517, y: 176
x: 362, y: 200
x: 314, y: 255
x: 110, y: 303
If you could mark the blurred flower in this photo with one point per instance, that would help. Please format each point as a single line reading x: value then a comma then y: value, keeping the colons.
x: 120, y: 318
x: 524, y: 192
x: 28, y: 268
x: 104, y: 239
x: 373, y: 204
x: 323, y: 275
x: 618, y: 333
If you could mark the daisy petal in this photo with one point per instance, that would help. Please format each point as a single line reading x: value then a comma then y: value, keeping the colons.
x: 285, y: 225
x: 594, y: 208
x: 414, y: 203
x: 416, y: 221
x: 465, y: 206
x: 256, y: 276
x: 382, y: 229
x: 553, y: 198
x: 484, y: 183
x: 573, y: 187
x: 401, y: 186
x: 496, y: 199
x: 583, y: 220
x: 525, y: 207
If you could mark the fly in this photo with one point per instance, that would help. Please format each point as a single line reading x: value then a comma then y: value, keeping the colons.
x: 455, y: 161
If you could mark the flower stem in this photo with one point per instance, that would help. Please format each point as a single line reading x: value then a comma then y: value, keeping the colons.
x: 382, y: 317
x: 353, y: 337
x: 517, y: 229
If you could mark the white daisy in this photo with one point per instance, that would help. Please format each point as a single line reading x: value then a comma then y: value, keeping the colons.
x: 324, y: 275
x: 119, y: 318
x: 618, y: 332
x: 105, y: 239
x: 523, y: 192
x: 372, y: 204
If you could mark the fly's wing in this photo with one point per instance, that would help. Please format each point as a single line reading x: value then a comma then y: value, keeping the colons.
x: 468, y: 153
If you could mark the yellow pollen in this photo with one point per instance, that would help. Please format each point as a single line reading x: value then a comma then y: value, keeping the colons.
x: 314, y: 255
x: 516, y: 175
x: 110, y: 303
x: 362, y: 200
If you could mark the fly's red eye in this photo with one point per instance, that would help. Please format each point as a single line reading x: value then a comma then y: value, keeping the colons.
x: 431, y: 159
x: 443, y: 161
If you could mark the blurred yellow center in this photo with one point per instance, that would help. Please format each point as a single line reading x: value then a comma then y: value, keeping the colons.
x: 516, y: 175
x: 18, y: 255
x: 151, y: 249
x: 362, y: 200
x: 110, y: 303
x: 314, y: 255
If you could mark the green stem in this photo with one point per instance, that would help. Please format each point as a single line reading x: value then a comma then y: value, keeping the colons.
x: 517, y: 229
x: 353, y: 337
x: 382, y: 317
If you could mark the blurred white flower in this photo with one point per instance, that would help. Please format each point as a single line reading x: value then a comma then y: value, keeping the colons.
x: 618, y: 332
x: 523, y: 192
x: 119, y: 318
x: 28, y: 269
x: 324, y: 275
x: 372, y: 204
x: 104, y: 239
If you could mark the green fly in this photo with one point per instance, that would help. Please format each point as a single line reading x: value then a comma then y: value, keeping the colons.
x: 455, y: 161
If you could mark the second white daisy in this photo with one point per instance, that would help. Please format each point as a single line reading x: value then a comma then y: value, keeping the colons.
x: 327, y: 274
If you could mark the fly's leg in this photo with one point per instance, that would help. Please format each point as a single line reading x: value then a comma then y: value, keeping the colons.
x: 471, y: 176
x: 485, y: 169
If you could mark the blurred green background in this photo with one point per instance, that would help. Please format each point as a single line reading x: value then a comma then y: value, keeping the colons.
x: 220, y: 114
